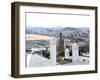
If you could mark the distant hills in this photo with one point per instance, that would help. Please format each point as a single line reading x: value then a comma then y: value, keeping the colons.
x: 43, y: 30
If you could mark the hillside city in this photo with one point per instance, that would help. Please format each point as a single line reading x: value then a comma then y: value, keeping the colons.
x: 69, y: 35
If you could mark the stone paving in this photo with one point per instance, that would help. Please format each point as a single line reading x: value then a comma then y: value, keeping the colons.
x: 39, y: 61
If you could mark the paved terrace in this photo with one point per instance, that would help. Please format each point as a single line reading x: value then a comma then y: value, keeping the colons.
x: 39, y: 61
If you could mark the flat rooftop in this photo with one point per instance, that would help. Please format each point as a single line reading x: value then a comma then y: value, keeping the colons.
x: 36, y: 37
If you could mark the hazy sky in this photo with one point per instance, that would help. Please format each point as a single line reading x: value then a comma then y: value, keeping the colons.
x: 54, y: 20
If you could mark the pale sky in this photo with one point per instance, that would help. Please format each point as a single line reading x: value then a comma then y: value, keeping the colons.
x: 54, y: 20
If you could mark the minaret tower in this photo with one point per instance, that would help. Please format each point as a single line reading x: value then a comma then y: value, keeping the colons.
x: 60, y: 47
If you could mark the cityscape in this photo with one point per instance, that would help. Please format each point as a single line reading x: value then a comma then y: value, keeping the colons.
x: 38, y: 45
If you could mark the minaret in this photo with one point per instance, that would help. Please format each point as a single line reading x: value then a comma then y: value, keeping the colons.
x: 61, y: 35
x: 60, y: 47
